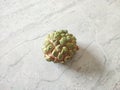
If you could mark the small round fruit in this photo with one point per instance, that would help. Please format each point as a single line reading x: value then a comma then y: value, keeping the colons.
x: 59, y: 46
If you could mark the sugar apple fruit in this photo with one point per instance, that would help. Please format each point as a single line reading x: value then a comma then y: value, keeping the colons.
x: 59, y: 46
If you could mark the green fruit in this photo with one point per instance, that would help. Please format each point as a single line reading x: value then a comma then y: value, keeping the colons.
x: 60, y: 46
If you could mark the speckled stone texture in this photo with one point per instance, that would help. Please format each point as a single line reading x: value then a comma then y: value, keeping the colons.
x: 24, y: 25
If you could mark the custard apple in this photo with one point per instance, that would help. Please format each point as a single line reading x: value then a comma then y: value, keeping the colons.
x: 59, y: 46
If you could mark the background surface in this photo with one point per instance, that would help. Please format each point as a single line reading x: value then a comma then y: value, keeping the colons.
x: 25, y: 23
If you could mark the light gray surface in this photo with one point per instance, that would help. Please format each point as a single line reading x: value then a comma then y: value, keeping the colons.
x: 23, y: 27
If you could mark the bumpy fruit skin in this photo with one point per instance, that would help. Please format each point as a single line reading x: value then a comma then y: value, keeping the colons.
x: 59, y: 46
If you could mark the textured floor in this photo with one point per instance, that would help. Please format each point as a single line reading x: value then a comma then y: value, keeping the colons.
x: 25, y: 23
